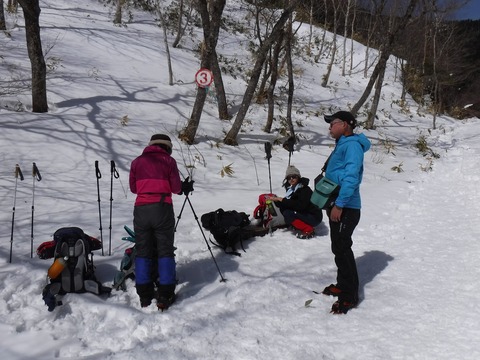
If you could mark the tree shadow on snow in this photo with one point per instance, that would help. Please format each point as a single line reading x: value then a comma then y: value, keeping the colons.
x: 194, y: 275
x: 369, y: 265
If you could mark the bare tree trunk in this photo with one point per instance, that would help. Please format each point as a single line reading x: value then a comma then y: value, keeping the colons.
x: 267, y: 71
x: 214, y: 20
x: 3, y: 26
x: 291, y: 85
x: 351, y: 38
x: 367, y: 48
x: 345, y: 34
x: 165, y: 41
x: 405, y: 80
x: 436, y: 55
x: 231, y: 137
x: 273, y: 83
x: 31, y: 12
x: 258, y: 27
x: 310, y: 33
x: 12, y: 6
x: 188, y: 133
x: 396, y: 69
x: 222, y: 105
x: 376, y: 99
x: 426, y: 41
x: 372, y: 28
x: 322, y: 43
x: 435, y: 105
x: 118, y: 12
x: 386, y: 51
x: 211, y: 27
x: 180, y: 28
x: 326, y: 76
x: 179, y: 24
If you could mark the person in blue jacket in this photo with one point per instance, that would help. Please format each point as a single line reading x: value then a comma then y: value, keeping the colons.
x: 345, y: 167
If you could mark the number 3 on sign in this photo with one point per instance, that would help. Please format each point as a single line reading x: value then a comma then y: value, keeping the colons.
x: 203, y: 77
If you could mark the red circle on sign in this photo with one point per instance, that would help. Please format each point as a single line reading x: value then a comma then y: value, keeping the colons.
x: 203, y: 77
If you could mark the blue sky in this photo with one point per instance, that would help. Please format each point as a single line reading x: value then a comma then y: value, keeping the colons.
x: 470, y: 11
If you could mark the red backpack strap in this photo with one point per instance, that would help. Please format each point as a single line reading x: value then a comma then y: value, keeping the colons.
x: 46, y: 250
x: 258, y: 212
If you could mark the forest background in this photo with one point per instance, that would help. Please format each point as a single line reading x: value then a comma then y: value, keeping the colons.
x: 439, y: 62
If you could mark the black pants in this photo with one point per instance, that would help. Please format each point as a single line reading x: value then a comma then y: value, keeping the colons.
x: 341, y: 238
x: 154, y: 227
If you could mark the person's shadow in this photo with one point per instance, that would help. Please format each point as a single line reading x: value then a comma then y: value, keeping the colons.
x: 369, y: 265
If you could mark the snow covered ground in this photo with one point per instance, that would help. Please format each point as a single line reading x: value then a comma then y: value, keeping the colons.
x: 416, y: 245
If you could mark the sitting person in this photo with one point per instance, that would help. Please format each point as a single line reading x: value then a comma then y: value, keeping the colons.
x: 296, y: 207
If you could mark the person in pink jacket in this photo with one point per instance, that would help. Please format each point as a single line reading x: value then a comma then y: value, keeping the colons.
x: 154, y: 176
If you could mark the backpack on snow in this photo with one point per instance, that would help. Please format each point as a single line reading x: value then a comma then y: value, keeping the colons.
x: 267, y: 213
x: 73, y: 258
x: 228, y: 228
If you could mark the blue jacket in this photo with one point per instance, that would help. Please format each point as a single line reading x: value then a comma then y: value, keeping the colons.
x: 345, y: 168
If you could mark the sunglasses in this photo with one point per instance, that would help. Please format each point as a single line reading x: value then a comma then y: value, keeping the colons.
x: 336, y: 122
x: 290, y: 177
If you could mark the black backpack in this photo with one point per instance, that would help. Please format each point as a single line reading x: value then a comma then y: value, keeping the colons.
x: 72, y: 270
x: 228, y: 228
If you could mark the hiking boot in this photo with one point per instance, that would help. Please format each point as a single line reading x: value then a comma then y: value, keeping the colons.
x: 145, y: 302
x: 342, y: 307
x: 305, y: 235
x: 164, y: 302
x: 332, y: 290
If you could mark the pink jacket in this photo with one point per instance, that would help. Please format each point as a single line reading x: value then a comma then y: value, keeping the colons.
x: 154, y: 175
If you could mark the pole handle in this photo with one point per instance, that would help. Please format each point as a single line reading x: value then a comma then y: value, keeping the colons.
x: 268, y: 150
x: 113, y: 169
x: 18, y: 172
x: 36, y: 173
x: 98, y: 174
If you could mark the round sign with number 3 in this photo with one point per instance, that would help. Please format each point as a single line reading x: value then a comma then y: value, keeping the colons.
x: 203, y: 77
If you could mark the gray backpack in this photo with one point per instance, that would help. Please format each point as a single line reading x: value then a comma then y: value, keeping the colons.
x: 73, y: 265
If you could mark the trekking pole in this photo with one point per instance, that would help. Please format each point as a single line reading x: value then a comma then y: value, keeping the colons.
x: 289, y: 145
x: 268, y: 152
x: 98, y: 174
x: 36, y: 176
x: 18, y: 172
x: 113, y: 173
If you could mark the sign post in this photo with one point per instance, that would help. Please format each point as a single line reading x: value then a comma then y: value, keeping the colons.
x: 204, y: 78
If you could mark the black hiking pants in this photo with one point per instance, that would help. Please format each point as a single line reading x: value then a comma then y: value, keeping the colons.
x: 341, y: 238
x: 154, y: 226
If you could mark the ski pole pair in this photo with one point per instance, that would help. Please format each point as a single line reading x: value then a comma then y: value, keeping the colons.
x: 287, y: 145
x: 113, y: 174
x: 36, y: 177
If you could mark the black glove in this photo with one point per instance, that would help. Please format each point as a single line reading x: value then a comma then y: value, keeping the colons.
x: 187, y: 186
